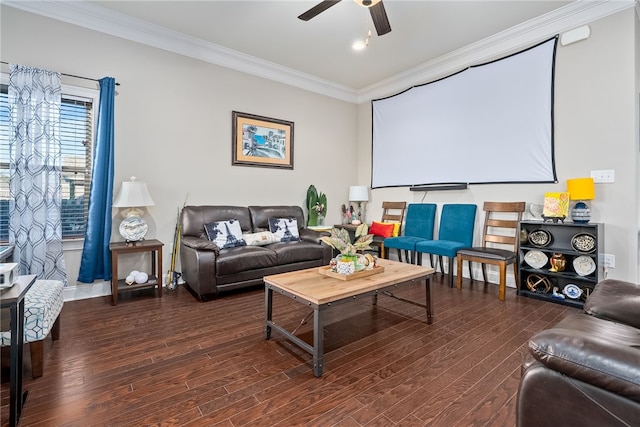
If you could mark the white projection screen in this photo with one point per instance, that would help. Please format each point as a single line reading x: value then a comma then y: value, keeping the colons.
x: 491, y: 123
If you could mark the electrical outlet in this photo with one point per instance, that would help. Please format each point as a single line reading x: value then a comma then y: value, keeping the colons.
x: 603, y: 176
x: 609, y: 260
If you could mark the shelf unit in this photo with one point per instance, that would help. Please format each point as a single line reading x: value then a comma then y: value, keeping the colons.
x: 561, y: 238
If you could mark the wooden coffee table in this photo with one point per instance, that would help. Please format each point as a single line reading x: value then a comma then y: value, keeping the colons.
x: 320, y: 292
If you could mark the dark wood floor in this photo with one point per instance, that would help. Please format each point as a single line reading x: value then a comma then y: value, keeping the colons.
x: 175, y: 361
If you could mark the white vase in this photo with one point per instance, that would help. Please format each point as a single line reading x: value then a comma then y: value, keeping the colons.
x: 345, y: 267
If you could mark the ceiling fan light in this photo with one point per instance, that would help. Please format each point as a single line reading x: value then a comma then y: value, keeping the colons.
x: 358, y: 45
x: 367, y: 3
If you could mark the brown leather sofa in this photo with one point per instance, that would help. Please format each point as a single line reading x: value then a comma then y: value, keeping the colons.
x: 208, y: 270
x: 585, y: 371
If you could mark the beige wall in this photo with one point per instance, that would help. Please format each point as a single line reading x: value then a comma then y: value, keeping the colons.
x: 173, y: 129
x: 596, y: 127
x: 173, y: 124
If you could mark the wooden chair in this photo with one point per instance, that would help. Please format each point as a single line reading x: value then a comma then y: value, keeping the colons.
x: 500, y: 231
x: 391, y: 212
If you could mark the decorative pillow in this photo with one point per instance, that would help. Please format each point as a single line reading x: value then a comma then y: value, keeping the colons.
x: 396, y: 227
x: 285, y: 229
x: 381, y: 229
x: 260, y: 239
x: 225, y: 234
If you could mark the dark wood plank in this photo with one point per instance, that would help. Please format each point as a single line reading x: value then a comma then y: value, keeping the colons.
x: 176, y: 361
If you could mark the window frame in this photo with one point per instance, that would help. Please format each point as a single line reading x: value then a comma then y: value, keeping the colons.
x: 81, y: 93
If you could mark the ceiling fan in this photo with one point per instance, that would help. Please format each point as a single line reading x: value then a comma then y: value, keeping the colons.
x: 378, y: 13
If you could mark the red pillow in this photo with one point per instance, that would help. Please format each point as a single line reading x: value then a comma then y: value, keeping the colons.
x: 381, y: 229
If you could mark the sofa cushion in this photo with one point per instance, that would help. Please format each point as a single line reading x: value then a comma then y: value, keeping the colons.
x: 225, y: 234
x: 260, y: 239
x: 596, y: 351
x: 292, y: 252
x: 234, y: 260
x: 260, y: 215
x: 285, y: 229
x: 194, y: 218
x: 615, y: 300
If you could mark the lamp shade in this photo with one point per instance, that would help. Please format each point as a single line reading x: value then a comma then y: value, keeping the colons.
x: 581, y: 189
x: 133, y: 194
x: 358, y: 193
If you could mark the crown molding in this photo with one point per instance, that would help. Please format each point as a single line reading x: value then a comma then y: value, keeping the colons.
x: 511, y: 40
x: 96, y: 18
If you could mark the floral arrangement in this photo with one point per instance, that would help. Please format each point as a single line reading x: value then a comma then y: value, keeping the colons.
x: 320, y: 208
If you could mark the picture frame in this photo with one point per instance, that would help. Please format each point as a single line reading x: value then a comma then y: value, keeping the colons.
x: 556, y: 206
x: 261, y: 141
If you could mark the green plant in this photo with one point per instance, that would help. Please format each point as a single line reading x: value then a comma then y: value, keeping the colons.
x: 316, y: 205
x: 340, y: 240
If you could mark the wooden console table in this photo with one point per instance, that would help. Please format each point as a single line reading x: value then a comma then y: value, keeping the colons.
x: 155, y: 247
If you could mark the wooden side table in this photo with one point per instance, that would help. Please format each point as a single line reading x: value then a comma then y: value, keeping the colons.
x: 119, y: 285
x: 13, y: 298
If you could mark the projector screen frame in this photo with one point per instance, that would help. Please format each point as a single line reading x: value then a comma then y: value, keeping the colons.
x: 545, y: 120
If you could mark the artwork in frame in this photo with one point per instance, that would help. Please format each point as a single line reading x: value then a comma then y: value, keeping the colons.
x: 556, y: 206
x: 261, y: 141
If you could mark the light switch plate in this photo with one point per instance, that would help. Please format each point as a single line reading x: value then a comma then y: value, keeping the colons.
x: 603, y: 176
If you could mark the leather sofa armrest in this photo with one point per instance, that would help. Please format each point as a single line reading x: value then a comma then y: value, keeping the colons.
x: 313, y: 236
x: 615, y: 300
x: 200, y: 244
x: 603, y: 353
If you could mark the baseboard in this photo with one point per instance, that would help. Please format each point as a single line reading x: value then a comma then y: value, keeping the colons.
x: 97, y: 289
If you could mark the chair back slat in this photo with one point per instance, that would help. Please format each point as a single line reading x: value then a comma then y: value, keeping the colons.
x: 498, y: 229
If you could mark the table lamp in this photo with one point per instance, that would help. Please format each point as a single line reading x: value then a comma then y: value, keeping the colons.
x: 133, y: 194
x: 581, y: 189
x: 358, y: 193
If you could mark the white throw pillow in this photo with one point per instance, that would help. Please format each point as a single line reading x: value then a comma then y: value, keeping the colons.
x: 260, y: 239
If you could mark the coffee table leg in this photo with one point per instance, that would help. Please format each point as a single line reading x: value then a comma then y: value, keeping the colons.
x: 318, y: 342
x: 429, y: 305
x: 268, y: 309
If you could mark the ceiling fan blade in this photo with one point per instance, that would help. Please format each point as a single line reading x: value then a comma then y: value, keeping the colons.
x: 318, y: 9
x: 380, y: 20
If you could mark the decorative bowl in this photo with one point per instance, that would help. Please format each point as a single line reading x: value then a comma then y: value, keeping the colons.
x: 535, y: 259
x: 584, y: 242
x: 584, y: 265
x: 540, y: 238
x: 572, y: 291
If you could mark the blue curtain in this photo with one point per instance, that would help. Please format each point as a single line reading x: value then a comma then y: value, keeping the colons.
x: 35, y: 163
x: 96, y: 257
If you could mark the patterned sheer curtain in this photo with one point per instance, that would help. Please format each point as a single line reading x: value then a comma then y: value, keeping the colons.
x: 35, y: 226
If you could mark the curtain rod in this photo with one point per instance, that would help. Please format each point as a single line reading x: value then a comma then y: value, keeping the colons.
x: 72, y: 75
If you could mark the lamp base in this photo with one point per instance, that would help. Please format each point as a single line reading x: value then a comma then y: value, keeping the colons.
x: 581, y: 213
x: 133, y: 228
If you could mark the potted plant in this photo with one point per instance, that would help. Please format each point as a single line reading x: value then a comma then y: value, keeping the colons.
x: 340, y: 241
x: 316, y: 206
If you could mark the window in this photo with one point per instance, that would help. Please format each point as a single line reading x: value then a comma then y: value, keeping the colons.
x: 76, y: 135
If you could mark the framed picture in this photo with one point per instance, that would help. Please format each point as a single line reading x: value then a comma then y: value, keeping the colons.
x: 261, y: 141
x: 556, y: 206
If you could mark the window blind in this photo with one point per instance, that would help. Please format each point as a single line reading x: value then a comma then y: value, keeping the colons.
x: 76, y: 124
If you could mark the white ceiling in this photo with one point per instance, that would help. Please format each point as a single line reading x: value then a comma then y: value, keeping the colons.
x: 270, y: 30
x: 248, y: 35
